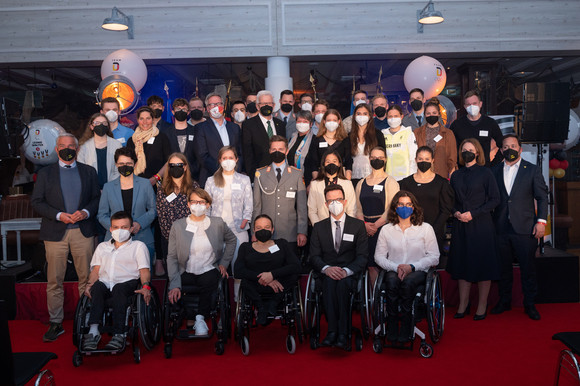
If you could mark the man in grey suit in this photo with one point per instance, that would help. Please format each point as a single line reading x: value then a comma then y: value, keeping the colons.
x: 415, y: 118
x: 280, y: 193
x: 286, y: 112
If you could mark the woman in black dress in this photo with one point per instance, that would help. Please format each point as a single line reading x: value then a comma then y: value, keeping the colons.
x: 473, y: 257
x: 266, y: 267
x: 433, y: 192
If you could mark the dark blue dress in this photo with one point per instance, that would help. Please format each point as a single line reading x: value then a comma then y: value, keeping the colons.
x: 373, y: 207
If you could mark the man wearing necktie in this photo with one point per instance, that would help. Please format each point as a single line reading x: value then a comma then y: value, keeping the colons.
x: 338, y: 249
x: 415, y: 118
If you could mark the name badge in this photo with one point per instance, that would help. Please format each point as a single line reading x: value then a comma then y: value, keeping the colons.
x: 236, y: 187
x: 377, y: 188
x: 191, y: 228
x: 323, y: 144
x: 122, y: 140
x: 290, y: 194
x: 274, y: 248
x: 151, y: 140
x: 483, y: 133
x: 438, y: 138
x: 190, y: 137
x: 171, y: 197
x: 348, y: 237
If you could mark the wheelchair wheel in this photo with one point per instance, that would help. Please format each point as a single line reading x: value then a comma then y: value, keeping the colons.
x: 149, y: 321
x: 245, y: 345
x: 136, y: 354
x: 358, y: 341
x: 77, y: 359
x: 308, y: 299
x: 168, y: 350
x: 367, y: 301
x: 224, y: 327
x: 219, y: 348
x: 377, y: 345
x: 378, y: 306
x: 435, y: 308
x: 291, y: 344
x: 80, y: 320
x: 426, y: 350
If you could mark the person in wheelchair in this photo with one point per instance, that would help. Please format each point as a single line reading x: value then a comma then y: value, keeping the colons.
x: 266, y: 267
x: 338, y: 249
x: 197, y: 256
x: 119, y: 269
x: 407, y: 247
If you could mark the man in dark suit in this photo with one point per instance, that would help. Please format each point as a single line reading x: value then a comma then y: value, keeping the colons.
x: 256, y: 134
x: 286, y: 112
x: 517, y: 224
x: 339, y: 250
x: 181, y: 135
x: 66, y: 195
x: 212, y: 135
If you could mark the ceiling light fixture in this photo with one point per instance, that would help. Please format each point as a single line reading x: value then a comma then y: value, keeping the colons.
x: 428, y: 15
x: 119, y: 22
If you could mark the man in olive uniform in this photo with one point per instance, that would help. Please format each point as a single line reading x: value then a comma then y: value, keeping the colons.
x: 279, y: 192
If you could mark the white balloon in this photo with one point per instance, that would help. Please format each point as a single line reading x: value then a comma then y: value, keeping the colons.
x: 573, y: 131
x: 126, y: 63
x: 41, y: 140
x: 425, y: 73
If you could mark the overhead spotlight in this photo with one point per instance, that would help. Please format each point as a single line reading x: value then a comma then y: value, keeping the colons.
x: 428, y: 15
x: 119, y: 22
x: 120, y: 88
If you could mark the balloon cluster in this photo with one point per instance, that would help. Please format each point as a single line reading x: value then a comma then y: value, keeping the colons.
x: 559, y: 164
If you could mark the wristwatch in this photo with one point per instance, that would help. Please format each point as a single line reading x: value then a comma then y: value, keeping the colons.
x: 412, y: 267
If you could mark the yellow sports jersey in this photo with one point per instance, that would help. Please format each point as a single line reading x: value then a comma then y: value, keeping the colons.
x: 401, y: 149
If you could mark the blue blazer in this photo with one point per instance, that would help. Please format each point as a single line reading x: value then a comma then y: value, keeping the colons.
x: 143, y: 210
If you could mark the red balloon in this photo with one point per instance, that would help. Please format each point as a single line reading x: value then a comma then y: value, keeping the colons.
x: 564, y: 164
x: 554, y: 164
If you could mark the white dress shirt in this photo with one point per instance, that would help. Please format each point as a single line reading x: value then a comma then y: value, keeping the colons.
x: 509, y: 175
x: 265, y: 123
x: 333, y: 225
x: 201, y: 253
x: 119, y: 265
x: 417, y: 245
x: 223, y: 131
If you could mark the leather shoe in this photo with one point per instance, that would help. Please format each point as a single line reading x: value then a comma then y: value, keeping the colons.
x: 480, y: 317
x: 342, y: 342
x: 501, y: 307
x: 329, y: 340
x: 532, y: 312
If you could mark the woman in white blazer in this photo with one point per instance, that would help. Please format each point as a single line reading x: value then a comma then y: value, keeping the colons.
x: 97, y: 148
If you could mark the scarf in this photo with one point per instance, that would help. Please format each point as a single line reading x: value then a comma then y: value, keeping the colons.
x: 139, y: 138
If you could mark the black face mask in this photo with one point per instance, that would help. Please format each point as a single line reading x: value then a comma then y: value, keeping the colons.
x: 125, y: 170
x: 511, y: 155
x: 380, y: 111
x: 101, y: 130
x: 467, y: 156
x: 181, y: 115
x: 416, y: 105
x: 277, y: 157
x: 266, y: 110
x: 424, y: 166
x: 263, y: 235
x: 176, y: 171
x: 251, y: 108
x: 377, y: 164
x: 433, y: 119
x: 195, y: 114
x: 331, y: 169
x: 286, y: 107
x: 67, y: 154
x: 157, y: 113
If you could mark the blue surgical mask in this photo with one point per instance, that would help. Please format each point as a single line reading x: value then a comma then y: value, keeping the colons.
x: 404, y: 211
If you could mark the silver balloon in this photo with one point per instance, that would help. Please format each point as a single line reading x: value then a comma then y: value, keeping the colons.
x: 40, y: 141
x: 448, y: 110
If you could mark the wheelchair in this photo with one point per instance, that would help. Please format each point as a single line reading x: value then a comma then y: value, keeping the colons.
x: 142, y: 322
x: 175, y: 314
x: 290, y: 311
x: 428, y: 303
x: 360, y: 299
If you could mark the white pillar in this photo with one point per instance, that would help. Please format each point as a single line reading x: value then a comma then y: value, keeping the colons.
x: 278, y: 78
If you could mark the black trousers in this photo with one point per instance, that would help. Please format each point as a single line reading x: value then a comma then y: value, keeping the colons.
x: 207, y: 283
x: 254, y: 290
x: 523, y: 248
x: 336, y: 296
x: 402, y: 292
x: 119, y: 295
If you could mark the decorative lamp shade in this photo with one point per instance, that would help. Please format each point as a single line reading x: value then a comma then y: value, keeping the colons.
x: 120, y: 88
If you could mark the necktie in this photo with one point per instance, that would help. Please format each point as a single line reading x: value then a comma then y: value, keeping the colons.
x: 419, y: 119
x: 278, y: 174
x: 337, y: 237
x: 285, y: 119
x: 270, y: 131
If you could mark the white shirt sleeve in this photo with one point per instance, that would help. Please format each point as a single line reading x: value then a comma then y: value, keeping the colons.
x: 142, y: 256
x: 382, y: 251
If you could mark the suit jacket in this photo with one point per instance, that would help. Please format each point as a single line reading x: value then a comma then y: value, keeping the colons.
x: 352, y: 254
x: 207, y: 144
x: 88, y: 156
x: 518, y: 207
x: 241, y: 200
x: 180, y: 239
x: 189, y: 150
x: 47, y: 200
x: 411, y: 120
x: 317, y: 209
x: 256, y: 144
x: 290, y: 123
x: 143, y: 209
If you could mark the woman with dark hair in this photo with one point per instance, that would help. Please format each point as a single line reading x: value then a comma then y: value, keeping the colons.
x: 331, y: 172
x: 266, y: 267
x: 433, y: 192
x: 97, y: 148
x: 473, y: 256
x: 406, y: 249
x: 400, y: 144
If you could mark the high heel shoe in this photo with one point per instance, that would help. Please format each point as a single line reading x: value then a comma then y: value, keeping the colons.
x: 480, y: 317
x: 461, y: 315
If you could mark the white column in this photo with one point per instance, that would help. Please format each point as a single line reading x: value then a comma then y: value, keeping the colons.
x: 278, y: 78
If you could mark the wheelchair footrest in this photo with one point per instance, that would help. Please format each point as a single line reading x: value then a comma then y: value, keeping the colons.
x: 189, y: 333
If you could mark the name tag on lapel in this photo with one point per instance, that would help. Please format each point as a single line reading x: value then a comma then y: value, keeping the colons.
x: 171, y: 197
x: 348, y: 237
x: 483, y: 133
x: 151, y: 140
x: 377, y: 188
x: 190, y: 137
x: 274, y: 248
x: 236, y: 187
x: 323, y: 144
x: 191, y: 228
x: 438, y: 138
x: 290, y: 194
x: 122, y: 140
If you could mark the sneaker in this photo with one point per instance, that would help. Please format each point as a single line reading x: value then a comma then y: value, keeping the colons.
x: 200, y: 326
x: 54, y: 331
x: 90, y: 342
x: 116, y: 343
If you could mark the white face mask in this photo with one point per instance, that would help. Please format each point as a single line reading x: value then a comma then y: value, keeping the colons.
x: 120, y: 235
x: 318, y: 117
x: 472, y: 110
x: 362, y: 119
x: 228, y: 165
x: 112, y: 116
x: 239, y: 116
x: 335, y: 207
x: 358, y: 102
x: 302, y: 127
x: 306, y: 106
x: 215, y: 113
x: 394, y: 122
x: 197, y: 210
x: 331, y: 126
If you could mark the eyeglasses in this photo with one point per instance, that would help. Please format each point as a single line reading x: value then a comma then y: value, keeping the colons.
x: 210, y: 105
x: 200, y: 202
x: 341, y: 200
x: 408, y: 205
x: 96, y: 123
x: 176, y: 165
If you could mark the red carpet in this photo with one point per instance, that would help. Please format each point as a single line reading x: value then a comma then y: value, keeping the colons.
x: 508, y: 349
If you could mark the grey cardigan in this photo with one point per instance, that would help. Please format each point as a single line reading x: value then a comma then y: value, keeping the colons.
x: 218, y: 234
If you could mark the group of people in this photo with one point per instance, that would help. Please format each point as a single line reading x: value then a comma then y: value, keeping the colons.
x: 245, y: 196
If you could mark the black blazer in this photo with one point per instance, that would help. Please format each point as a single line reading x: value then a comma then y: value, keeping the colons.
x: 518, y: 207
x: 189, y: 151
x: 256, y: 144
x: 352, y: 255
x: 47, y: 200
x: 207, y: 144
